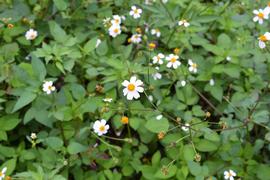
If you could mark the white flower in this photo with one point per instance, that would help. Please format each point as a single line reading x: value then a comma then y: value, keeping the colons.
x: 164, y: 1
x: 136, y: 38
x: 192, y: 66
x: 267, y: 9
x: 48, y: 87
x: 186, y: 127
x: 263, y: 39
x: 100, y: 127
x: 109, y: 100
x: 260, y: 15
x: 3, y: 173
x: 116, y: 20
x: 228, y: 58
x: 114, y: 30
x: 159, y: 117
x: 132, y: 88
x: 33, y: 136
x: 150, y: 98
x: 183, y: 23
x: 106, y: 21
x: 157, y: 76
x: 173, y: 61
x: 98, y: 42
x: 212, y: 82
x: 158, y: 58
x: 135, y: 12
x: 31, y: 34
x: 229, y: 174
x: 156, y: 32
x: 183, y: 83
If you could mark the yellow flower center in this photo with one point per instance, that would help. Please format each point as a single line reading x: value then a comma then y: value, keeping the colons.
x: 194, y: 65
x: 261, y: 15
x: 50, y: 88
x: 136, y: 11
x: 1, y: 174
x: 131, y: 87
x: 102, y: 128
x: 173, y: 59
x: 124, y: 120
x: 263, y: 38
x: 268, y: 4
x: 116, y: 30
x: 116, y: 21
x: 152, y: 45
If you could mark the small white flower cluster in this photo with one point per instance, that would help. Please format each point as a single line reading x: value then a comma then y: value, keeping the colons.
x: 184, y: 23
x: 3, y: 173
x: 229, y: 175
x: 31, y: 34
x: 115, y: 28
x: 48, y: 87
x: 136, y: 38
x: 156, y: 32
x: 135, y: 12
x: 260, y: 16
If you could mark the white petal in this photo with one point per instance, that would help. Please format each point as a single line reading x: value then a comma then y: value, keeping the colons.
x: 169, y: 64
x: 136, y: 95
x: 130, y: 96
x: 256, y: 18
x: 261, y: 44
x: 125, y: 83
x: 125, y: 91
x: 133, y: 79
x: 140, y: 89
x: 138, y: 83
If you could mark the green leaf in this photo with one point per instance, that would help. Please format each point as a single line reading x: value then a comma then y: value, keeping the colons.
x: 157, y: 126
x: 188, y: 153
x: 75, y: 148
x: 90, y: 45
x: 194, y: 168
x: 206, y: 146
x: 26, y: 98
x: 8, y: 122
x: 10, y: 165
x: 57, y: 32
x: 54, y: 142
x: 38, y: 68
x: 60, y: 4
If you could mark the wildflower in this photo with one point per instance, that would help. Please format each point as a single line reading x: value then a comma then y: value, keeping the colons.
x: 260, y: 15
x: 183, y: 23
x: 183, y: 83
x: 10, y: 26
x: 152, y: 45
x: 139, y: 30
x: 157, y: 76
x: 197, y: 157
x: 176, y: 50
x: 132, y: 88
x: 116, y: 20
x: 159, y: 117
x: 3, y: 173
x: 48, y: 87
x: 123, y: 18
x: 186, y: 127
x: 263, y: 39
x: 212, y: 82
x: 161, y: 135
x: 173, y: 61
x: 156, y: 32
x: 150, y: 98
x: 33, y: 136
x: 109, y: 100
x: 267, y: 9
x: 192, y: 66
x: 136, y: 38
x: 158, y: 58
x: 229, y: 174
x: 208, y: 114
x: 228, y: 58
x: 31, y: 34
x: 114, y: 30
x: 106, y: 22
x: 100, y: 127
x: 124, y: 120
x: 135, y: 12
x: 98, y: 42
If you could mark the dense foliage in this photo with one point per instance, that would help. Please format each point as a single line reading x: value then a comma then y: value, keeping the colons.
x: 118, y: 89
